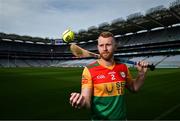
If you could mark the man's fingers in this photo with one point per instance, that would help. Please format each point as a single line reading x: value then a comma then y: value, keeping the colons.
x: 80, y: 102
x: 74, y: 99
x: 143, y: 64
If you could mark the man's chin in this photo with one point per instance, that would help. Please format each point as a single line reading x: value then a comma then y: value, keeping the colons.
x: 107, y: 58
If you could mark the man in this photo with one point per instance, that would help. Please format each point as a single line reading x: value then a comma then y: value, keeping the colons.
x: 104, y: 82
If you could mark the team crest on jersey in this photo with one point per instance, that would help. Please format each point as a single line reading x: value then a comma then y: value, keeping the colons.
x: 84, y: 80
x: 123, y: 74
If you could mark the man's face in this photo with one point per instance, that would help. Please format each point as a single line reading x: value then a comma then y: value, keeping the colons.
x: 106, y: 47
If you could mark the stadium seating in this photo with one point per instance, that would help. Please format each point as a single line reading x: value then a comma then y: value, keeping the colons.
x: 170, y: 34
x: 150, y: 37
x: 161, y: 61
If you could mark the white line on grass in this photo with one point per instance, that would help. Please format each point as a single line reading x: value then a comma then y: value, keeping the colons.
x: 167, y: 112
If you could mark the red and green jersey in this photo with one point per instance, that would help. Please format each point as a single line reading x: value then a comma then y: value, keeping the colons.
x: 108, y: 86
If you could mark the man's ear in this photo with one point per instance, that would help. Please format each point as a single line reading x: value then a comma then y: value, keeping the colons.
x: 115, y: 47
x: 117, y: 44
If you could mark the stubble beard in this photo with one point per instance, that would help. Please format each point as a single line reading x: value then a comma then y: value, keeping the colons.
x: 106, y: 56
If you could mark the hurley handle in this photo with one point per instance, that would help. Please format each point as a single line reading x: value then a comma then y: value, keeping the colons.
x: 150, y: 66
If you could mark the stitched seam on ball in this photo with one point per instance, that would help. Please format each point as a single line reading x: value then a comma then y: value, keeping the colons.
x: 67, y: 32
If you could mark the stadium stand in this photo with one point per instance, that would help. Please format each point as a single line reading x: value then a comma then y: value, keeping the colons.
x: 169, y: 34
x: 161, y: 61
x: 152, y: 37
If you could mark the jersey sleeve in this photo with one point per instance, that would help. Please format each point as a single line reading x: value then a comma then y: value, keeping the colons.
x: 86, y: 79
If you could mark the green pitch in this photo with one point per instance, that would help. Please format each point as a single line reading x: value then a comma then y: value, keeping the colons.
x: 43, y: 93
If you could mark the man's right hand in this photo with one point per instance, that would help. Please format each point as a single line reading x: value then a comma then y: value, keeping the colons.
x: 77, y: 100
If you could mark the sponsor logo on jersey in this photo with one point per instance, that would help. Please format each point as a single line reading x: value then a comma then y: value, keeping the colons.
x: 100, y: 76
x: 115, y: 88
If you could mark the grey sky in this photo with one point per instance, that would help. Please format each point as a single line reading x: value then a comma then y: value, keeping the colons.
x: 49, y: 18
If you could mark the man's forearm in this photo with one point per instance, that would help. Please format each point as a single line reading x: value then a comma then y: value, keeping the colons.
x: 87, y: 104
x: 86, y: 93
x: 139, y: 81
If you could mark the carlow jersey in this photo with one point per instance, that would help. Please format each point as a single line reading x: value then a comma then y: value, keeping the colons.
x: 108, y: 87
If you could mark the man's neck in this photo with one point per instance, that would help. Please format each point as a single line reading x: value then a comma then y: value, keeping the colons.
x: 107, y: 62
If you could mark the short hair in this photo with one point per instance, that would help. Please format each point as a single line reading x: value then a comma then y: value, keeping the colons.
x: 106, y: 34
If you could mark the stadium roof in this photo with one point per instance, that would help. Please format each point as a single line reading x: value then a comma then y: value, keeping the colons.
x: 155, y: 17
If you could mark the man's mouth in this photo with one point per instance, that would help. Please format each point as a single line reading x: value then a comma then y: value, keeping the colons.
x: 105, y: 53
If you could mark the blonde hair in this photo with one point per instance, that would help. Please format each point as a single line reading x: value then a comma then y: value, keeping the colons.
x: 106, y: 34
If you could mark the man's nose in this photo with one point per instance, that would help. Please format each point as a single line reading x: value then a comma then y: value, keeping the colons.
x: 104, y: 47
